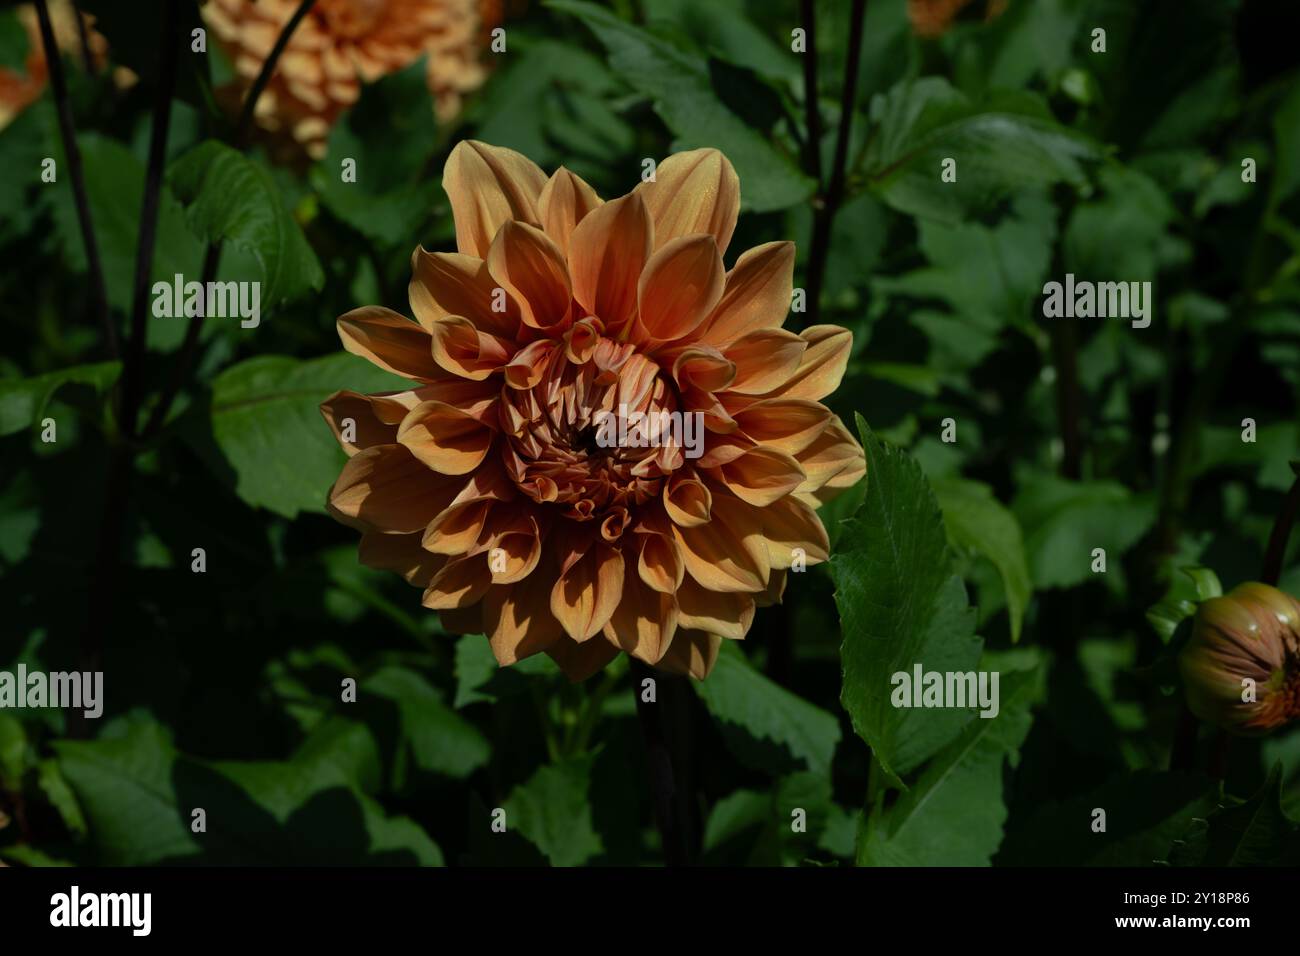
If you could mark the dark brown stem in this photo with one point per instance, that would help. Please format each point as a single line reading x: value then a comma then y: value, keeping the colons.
x: 659, y: 766
x: 829, y: 200
x: 1065, y: 357
x: 268, y: 70
x: 67, y: 130
x: 133, y: 373
x: 84, y: 36
x: 1277, y: 541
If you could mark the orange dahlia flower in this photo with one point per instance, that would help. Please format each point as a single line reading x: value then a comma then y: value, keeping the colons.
x: 487, y: 483
x: 932, y: 18
x: 341, y: 44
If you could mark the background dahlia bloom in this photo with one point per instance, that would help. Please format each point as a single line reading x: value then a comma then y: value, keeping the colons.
x: 1253, y: 632
x: 492, y: 450
x: 341, y: 44
x: 932, y: 18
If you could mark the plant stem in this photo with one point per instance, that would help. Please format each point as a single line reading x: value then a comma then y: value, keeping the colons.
x: 86, y: 56
x: 245, y: 123
x: 1277, y: 541
x: 659, y: 767
x: 828, y: 202
x: 67, y: 130
x: 133, y: 373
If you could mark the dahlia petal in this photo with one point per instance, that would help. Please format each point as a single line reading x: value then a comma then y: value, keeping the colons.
x: 833, y: 462
x: 790, y: 524
x: 692, y: 653
x: 531, y: 268
x: 761, y: 476
x: 445, y: 438
x: 391, y: 341
x: 401, y: 553
x: 728, y: 554
x: 461, y: 349
x: 564, y: 202
x: 579, y: 661
x: 354, y: 420
x: 765, y: 359
x: 477, y: 399
x: 679, y: 287
x: 607, y: 253
x: 822, y: 365
x: 757, y: 296
x: 693, y: 192
x: 687, y: 501
x: 703, y: 368
x: 786, y: 424
x: 660, y: 562
x: 456, y: 528
x: 447, y: 283
x: 587, y: 592
x: 529, y: 364
x: 460, y: 583
x: 518, y: 620
x: 774, y: 591
x: 385, y: 488
x: 489, y: 186
x: 644, y: 622
x: 728, y: 615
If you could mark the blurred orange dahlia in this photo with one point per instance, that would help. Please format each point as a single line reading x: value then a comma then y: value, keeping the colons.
x: 19, y: 89
x: 341, y: 44
x: 486, y: 483
x: 932, y: 18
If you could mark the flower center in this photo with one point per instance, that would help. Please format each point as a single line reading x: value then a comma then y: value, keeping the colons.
x: 581, y: 434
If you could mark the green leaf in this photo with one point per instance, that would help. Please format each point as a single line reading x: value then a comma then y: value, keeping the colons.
x: 387, y: 135
x: 1001, y: 144
x: 977, y: 522
x: 681, y: 88
x: 23, y: 401
x: 766, y: 726
x: 232, y: 199
x: 266, y: 420
x: 439, y: 740
x: 138, y: 794
x: 114, y: 190
x: 1067, y: 520
x: 900, y: 605
x: 13, y: 42
x: 1256, y: 832
x: 953, y: 814
x: 480, y: 678
x: 553, y: 810
x: 778, y: 827
x: 1146, y: 812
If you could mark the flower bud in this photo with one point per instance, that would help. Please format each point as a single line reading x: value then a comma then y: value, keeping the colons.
x: 1241, y: 667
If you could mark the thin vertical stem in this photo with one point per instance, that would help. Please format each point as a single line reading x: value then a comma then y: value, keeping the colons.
x: 812, y: 112
x: 133, y: 374
x: 245, y: 123
x: 67, y: 130
x: 1277, y: 541
x: 832, y: 195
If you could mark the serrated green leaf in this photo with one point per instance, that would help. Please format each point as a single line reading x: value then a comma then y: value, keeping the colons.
x: 954, y: 813
x: 900, y: 605
x: 680, y: 86
x: 1255, y: 832
x: 232, y: 199
x: 979, y: 523
x: 765, y: 725
x: 1000, y: 144
x: 440, y: 740
x: 266, y: 420
x: 553, y: 810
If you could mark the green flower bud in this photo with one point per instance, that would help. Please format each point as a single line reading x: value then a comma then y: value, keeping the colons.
x: 1241, y: 667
